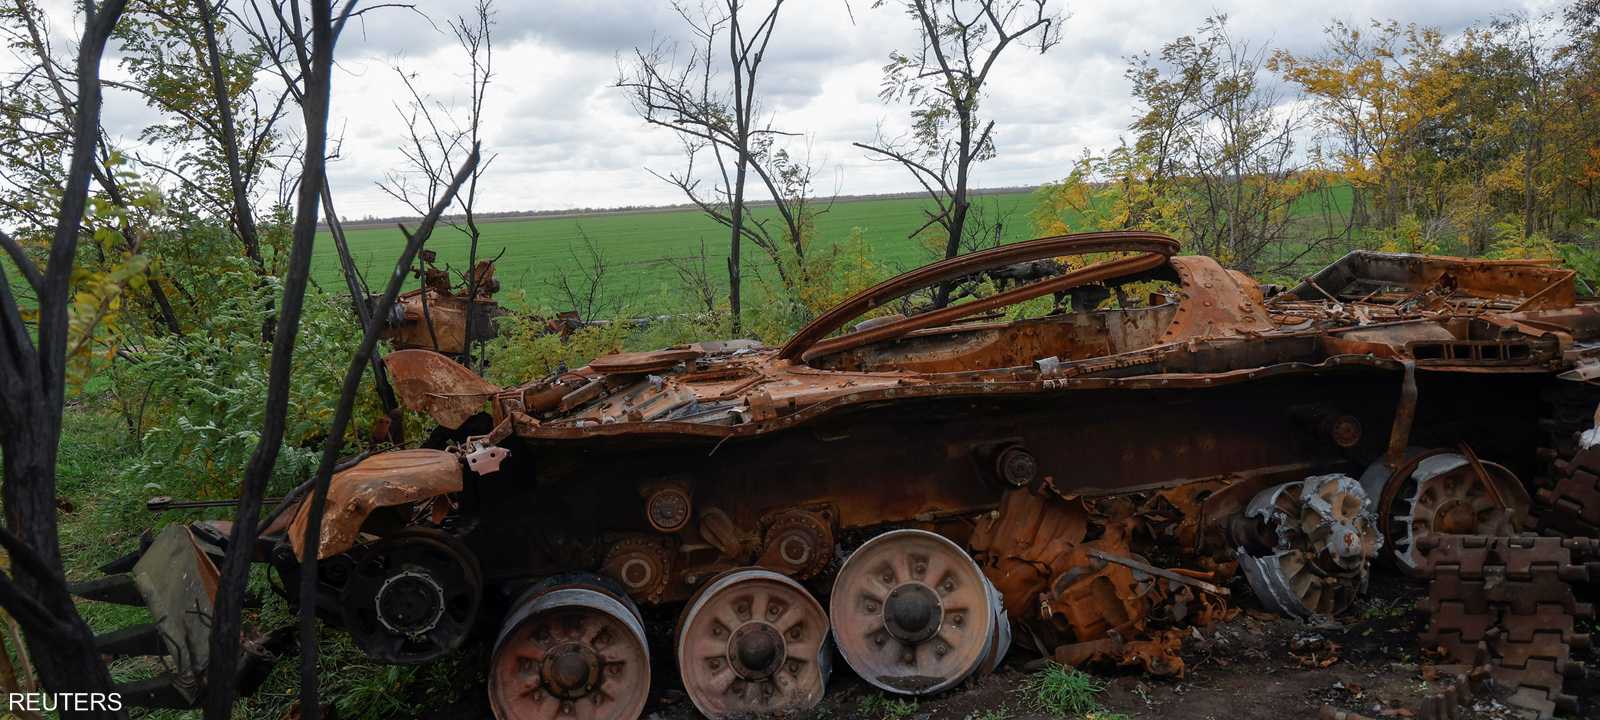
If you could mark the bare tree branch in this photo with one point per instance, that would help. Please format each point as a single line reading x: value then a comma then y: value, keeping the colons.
x: 310, y: 708
x: 19, y: 257
x: 243, y: 217
x: 944, y: 80
x: 315, y: 53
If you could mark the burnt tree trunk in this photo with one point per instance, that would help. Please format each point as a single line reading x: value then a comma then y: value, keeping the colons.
x: 225, y: 636
x: 32, y: 391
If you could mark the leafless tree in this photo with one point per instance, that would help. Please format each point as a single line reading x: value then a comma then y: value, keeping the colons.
x: 475, y: 36
x: 439, y: 174
x: 299, y: 44
x: 694, y: 275
x: 310, y: 708
x: 581, y: 286
x: 720, y: 118
x: 943, y: 81
x: 239, y: 167
x: 1230, y: 146
x: 437, y: 137
x: 32, y: 391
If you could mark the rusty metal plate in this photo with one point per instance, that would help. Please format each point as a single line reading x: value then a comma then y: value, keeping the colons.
x: 1213, y: 304
x: 431, y: 383
x: 393, y: 478
x: 641, y: 362
x: 179, y: 584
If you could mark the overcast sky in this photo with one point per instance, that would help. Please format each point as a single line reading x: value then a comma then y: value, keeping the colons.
x: 565, y: 138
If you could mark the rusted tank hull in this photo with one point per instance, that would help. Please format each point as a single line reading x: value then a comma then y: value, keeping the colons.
x: 931, y: 461
x: 1095, y: 476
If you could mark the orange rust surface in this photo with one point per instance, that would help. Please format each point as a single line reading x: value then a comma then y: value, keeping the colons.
x: 431, y: 383
x: 1103, y: 564
x: 953, y: 268
x: 714, y: 391
x: 447, y: 313
x: 639, y: 362
x: 1213, y: 304
x: 393, y: 478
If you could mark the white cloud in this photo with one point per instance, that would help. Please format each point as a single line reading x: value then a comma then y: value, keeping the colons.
x: 566, y: 138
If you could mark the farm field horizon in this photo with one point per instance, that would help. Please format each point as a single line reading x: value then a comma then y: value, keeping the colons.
x: 636, y: 244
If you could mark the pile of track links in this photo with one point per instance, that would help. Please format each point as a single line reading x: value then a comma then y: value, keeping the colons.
x: 1503, y: 623
x: 1505, y: 610
x: 1507, y: 605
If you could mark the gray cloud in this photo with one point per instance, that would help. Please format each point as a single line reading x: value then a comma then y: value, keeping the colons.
x: 566, y: 138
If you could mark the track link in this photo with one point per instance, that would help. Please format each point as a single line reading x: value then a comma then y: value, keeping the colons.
x: 1568, y: 489
x: 1569, y: 500
x: 1510, y: 599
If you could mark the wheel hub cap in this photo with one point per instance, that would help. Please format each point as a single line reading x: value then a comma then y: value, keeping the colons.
x: 757, y: 650
x: 1456, y: 518
x: 570, y: 670
x: 410, y: 603
x: 913, y: 612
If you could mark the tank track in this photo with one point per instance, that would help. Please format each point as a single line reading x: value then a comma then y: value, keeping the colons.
x: 1509, y: 600
x: 1569, y: 496
x: 1567, y: 491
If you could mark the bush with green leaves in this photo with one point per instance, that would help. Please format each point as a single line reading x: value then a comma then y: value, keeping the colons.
x: 195, y: 402
x: 524, y: 349
x: 827, y: 275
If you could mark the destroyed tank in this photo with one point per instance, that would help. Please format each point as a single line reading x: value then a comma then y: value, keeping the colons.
x: 903, y: 487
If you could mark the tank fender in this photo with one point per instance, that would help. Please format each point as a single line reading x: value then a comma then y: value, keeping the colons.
x: 430, y: 383
x: 394, y: 478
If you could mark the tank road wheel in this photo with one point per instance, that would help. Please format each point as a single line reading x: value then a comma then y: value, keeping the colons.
x: 412, y: 597
x: 1323, y: 537
x: 1000, y: 638
x: 570, y: 652
x: 1440, y: 492
x: 753, y: 643
x: 912, y: 613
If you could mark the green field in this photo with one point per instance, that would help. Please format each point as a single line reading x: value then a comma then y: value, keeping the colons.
x: 634, y: 245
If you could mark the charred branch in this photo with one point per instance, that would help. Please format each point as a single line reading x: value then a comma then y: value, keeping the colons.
x: 318, y: 498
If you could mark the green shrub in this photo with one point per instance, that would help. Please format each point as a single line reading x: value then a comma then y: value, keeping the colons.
x: 195, y: 402
x: 524, y: 350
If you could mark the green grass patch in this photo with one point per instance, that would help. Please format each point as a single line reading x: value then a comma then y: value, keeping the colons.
x: 636, y: 245
x: 1062, y: 691
x: 882, y: 707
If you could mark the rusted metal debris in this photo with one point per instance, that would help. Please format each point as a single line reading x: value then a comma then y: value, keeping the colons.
x: 443, y: 316
x: 405, y: 478
x: 1096, y: 479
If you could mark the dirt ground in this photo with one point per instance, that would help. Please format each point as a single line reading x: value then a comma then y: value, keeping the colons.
x: 1256, y: 666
